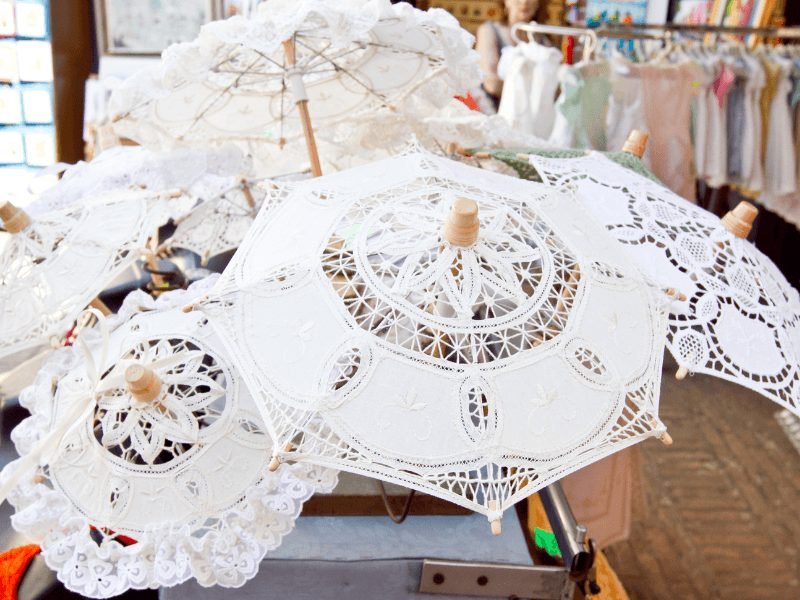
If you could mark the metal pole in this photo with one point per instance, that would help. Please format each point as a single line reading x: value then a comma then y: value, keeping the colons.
x: 570, y: 536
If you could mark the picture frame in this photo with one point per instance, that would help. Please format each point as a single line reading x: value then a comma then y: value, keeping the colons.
x: 147, y: 27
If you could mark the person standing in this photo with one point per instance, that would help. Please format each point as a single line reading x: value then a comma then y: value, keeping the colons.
x: 493, y: 36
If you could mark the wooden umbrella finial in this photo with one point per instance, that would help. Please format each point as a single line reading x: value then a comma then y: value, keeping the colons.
x: 636, y: 143
x: 14, y: 219
x: 143, y: 383
x: 463, y: 223
x: 739, y: 221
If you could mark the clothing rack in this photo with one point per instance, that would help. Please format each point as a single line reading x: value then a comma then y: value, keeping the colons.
x: 768, y: 32
x: 587, y: 36
x: 586, y: 33
x: 647, y: 31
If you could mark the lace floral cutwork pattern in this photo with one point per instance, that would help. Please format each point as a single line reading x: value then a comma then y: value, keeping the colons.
x: 742, y: 318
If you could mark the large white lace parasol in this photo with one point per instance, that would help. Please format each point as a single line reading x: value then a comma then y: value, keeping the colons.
x: 157, y: 470
x: 255, y: 81
x: 477, y: 370
x: 54, y: 264
x: 742, y: 318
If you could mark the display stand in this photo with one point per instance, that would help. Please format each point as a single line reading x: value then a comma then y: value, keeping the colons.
x: 355, y: 550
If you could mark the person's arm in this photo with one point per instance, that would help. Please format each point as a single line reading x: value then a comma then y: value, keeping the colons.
x: 489, y: 53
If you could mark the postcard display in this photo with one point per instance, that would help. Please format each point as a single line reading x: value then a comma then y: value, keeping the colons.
x: 27, y: 132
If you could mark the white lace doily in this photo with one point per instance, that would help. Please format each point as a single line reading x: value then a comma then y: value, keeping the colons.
x: 357, y: 59
x: 141, y: 495
x: 742, y: 318
x: 52, y: 269
x: 478, y: 374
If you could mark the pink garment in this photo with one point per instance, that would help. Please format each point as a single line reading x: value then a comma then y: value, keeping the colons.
x: 601, y: 496
x: 657, y: 98
x: 723, y: 83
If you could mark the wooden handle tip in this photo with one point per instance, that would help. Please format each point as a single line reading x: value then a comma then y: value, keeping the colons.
x: 739, y: 221
x: 636, y: 143
x: 463, y: 223
x: 143, y: 383
x: 14, y: 219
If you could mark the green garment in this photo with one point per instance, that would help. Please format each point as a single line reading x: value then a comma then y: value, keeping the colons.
x: 526, y: 170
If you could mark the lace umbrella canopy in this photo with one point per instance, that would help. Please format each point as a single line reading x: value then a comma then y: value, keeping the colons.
x: 742, y: 318
x: 219, y: 224
x: 217, y: 200
x: 199, y: 172
x: 153, y: 459
x: 477, y: 369
x: 254, y: 81
x: 55, y: 264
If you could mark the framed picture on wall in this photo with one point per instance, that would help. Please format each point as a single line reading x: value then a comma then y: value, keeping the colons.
x: 147, y: 27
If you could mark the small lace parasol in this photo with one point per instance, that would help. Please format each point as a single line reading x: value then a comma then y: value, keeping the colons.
x: 153, y: 459
x: 55, y: 264
x: 260, y: 81
x: 219, y: 224
x: 198, y: 172
x: 742, y: 318
x: 453, y: 330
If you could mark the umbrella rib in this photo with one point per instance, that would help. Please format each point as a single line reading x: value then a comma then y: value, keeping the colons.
x: 203, y: 112
x: 346, y: 72
x: 338, y: 56
x: 395, y: 49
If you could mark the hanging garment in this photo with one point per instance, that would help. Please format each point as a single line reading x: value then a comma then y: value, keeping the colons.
x: 780, y: 164
x: 735, y: 120
x: 530, y: 82
x: 625, y: 104
x: 657, y: 98
x: 716, y: 155
x: 701, y: 117
x: 772, y: 74
x: 752, y: 164
x: 582, y: 106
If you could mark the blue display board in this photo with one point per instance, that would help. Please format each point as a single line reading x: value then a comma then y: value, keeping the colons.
x: 27, y: 130
x: 619, y: 12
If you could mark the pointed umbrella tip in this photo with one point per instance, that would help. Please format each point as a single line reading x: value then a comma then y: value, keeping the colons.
x: 14, y: 219
x: 636, y: 143
x: 739, y: 221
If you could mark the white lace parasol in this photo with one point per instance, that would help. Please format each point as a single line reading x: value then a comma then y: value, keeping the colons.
x: 53, y: 265
x: 200, y: 172
x: 219, y: 224
x: 742, y: 320
x: 346, y: 61
x: 477, y: 371
x: 139, y: 491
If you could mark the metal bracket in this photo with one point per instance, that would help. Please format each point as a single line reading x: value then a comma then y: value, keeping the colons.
x: 487, y: 580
